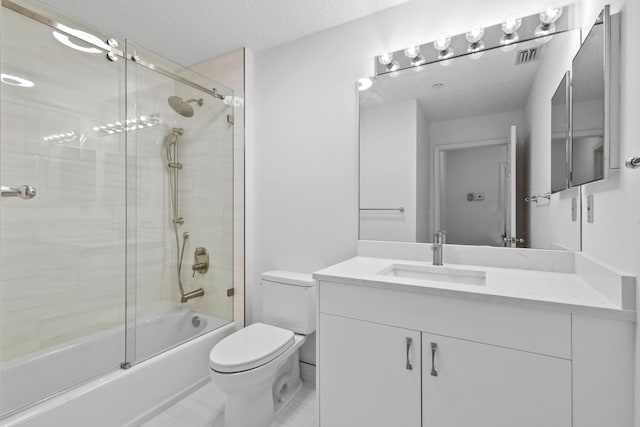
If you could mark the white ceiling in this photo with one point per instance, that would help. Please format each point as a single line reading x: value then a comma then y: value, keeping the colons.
x: 191, y: 31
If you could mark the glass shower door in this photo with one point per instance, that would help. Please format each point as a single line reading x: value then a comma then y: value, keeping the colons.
x: 62, y: 252
x: 180, y: 209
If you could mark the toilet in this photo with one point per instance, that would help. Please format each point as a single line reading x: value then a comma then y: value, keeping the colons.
x: 258, y: 367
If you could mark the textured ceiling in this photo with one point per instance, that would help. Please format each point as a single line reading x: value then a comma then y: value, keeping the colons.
x: 191, y: 31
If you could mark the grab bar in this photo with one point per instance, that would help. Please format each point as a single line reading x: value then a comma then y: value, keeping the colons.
x: 24, y: 192
x: 400, y: 209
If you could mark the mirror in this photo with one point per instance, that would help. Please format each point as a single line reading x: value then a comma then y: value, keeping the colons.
x: 560, y: 136
x: 460, y: 144
x: 593, y: 142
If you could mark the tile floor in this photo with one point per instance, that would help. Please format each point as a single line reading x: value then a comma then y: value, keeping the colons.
x: 205, y: 406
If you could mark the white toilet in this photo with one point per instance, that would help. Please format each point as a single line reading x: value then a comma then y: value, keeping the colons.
x: 258, y: 367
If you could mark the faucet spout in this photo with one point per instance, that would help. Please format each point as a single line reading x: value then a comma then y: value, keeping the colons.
x: 438, y: 240
x: 193, y: 294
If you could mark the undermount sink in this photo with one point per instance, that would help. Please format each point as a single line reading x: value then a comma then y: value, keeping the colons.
x: 436, y: 274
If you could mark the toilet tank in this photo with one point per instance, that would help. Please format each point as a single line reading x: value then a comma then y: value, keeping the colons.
x: 289, y: 300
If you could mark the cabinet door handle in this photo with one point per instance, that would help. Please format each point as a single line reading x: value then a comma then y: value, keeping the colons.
x: 409, y: 366
x: 434, y: 347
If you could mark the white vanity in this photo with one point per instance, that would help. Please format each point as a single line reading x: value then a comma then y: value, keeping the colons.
x: 494, y: 337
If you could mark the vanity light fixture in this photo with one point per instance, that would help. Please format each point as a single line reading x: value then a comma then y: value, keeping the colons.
x: 387, y: 60
x: 505, y: 35
x: 476, y: 45
x: 364, y: 84
x: 15, y: 81
x: 413, y: 53
x: 548, y: 18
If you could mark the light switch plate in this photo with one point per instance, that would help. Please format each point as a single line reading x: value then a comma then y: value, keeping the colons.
x: 590, y: 208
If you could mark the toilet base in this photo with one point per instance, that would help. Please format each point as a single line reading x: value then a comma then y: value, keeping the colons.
x: 254, y: 398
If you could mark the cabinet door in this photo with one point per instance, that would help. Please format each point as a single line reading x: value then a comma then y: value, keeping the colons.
x: 368, y: 377
x: 487, y: 386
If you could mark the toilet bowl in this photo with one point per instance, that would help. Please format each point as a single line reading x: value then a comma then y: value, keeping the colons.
x: 258, y: 367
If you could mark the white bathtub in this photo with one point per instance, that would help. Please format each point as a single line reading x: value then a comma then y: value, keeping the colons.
x: 121, y: 396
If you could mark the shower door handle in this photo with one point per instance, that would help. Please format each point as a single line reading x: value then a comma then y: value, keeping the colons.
x: 24, y: 192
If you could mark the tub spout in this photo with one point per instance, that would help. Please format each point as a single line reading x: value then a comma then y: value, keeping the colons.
x: 193, y: 294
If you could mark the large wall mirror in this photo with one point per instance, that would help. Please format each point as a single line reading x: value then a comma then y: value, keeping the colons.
x: 462, y: 145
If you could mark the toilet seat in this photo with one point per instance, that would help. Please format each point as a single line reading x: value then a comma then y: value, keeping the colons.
x: 249, y: 348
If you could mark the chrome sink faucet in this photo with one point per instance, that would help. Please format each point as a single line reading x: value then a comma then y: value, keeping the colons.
x: 439, y: 238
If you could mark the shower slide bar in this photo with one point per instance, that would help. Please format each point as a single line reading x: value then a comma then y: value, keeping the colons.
x: 24, y: 192
x: 400, y: 209
x: 110, y: 46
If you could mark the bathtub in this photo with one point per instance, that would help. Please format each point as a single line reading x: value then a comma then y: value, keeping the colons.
x: 119, y: 397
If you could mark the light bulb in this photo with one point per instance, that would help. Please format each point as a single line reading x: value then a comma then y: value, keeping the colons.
x: 475, y: 47
x: 508, y: 39
x: 364, y: 84
x: 511, y: 25
x: 545, y: 29
x: 442, y: 43
x: 418, y: 60
x: 386, y: 58
x: 393, y: 66
x: 412, y: 52
x: 475, y: 35
x: 445, y: 54
x: 550, y: 15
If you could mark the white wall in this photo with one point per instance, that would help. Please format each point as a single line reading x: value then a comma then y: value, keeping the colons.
x: 423, y: 185
x: 303, y: 144
x: 613, y: 237
x: 550, y: 221
x: 388, y: 146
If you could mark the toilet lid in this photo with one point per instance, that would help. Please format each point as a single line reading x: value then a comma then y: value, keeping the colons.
x: 250, y: 347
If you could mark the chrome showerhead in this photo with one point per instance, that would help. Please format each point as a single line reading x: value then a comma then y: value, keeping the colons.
x: 182, y: 107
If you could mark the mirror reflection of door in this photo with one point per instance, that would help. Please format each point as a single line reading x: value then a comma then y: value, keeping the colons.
x: 474, y: 192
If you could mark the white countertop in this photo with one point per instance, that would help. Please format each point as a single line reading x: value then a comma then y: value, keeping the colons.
x: 557, y: 291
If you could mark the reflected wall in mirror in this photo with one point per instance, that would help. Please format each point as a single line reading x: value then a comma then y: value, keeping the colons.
x: 459, y: 144
x: 594, y: 93
x: 560, y: 136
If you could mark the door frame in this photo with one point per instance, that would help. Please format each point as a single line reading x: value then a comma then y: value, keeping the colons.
x: 438, y: 181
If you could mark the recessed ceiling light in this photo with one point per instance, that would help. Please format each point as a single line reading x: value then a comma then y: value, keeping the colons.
x: 65, y: 40
x: 15, y: 81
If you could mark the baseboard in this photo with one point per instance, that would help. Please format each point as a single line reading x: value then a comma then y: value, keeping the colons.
x: 308, y: 373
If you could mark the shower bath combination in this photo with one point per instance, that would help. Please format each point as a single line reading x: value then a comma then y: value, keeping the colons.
x: 171, y: 144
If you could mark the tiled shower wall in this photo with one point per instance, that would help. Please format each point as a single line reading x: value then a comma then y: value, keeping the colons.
x: 63, y: 253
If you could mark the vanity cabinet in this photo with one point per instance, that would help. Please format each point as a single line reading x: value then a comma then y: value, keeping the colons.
x: 374, y: 374
x: 473, y: 384
x: 497, y: 363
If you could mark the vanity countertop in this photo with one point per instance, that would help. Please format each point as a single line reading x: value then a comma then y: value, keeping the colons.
x: 557, y: 291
